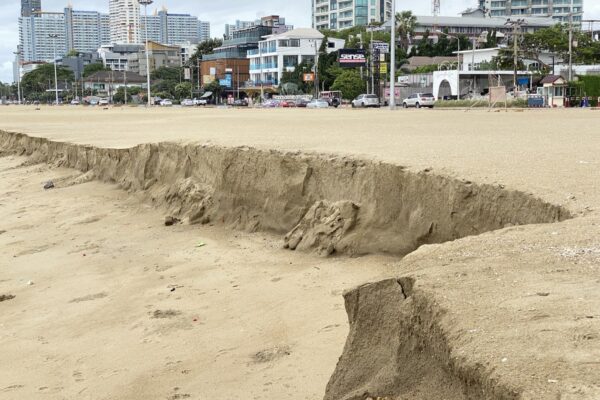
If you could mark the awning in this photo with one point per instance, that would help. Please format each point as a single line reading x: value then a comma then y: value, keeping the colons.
x: 206, y: 95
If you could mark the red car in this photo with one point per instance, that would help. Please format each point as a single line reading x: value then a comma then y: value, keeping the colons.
x: 287, y: 104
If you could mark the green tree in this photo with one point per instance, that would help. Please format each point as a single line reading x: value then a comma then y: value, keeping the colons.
x: 205, y: 47
x: 36, y: 83
x: 406, y: 23
x: 91, y: 69
x: 216, y: 89
x: 296, y: 77
x: 349, y: 83
x: 167, y: 73
x: 183, y: 90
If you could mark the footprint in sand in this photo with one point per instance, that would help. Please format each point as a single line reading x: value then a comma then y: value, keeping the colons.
x: 78, y: 376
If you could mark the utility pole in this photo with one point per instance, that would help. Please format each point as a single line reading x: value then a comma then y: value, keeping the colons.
x: 146, y: 3
x: 516, y: 25
x: 372, y: 64
x: 53, y: 36
x: 18, y: 55
x: 316, y: 69
x: 393, y: 59
x: 571, y: 43
x: 125, y: 84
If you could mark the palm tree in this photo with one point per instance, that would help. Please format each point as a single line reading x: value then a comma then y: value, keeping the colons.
x: 406, y: 23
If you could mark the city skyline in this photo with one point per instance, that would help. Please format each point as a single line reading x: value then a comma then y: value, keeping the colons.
x: 298, y: 14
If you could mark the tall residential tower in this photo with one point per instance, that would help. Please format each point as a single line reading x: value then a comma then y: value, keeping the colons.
x: 343, y: 14
x: 124, y: 21
x: 30, y: 7
x: 557, y: 9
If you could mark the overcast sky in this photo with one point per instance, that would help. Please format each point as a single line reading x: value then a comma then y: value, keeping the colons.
x: 218, y: 13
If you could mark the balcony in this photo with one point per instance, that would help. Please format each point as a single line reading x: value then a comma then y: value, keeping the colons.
x: 258, y: 83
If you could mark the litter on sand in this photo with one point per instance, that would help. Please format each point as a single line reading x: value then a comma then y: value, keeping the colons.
x: 201, y: 244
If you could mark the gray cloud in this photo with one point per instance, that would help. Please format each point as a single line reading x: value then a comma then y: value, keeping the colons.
x: 218, y: 12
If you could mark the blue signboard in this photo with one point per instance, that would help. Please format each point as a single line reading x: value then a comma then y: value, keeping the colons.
x: 227, y: 82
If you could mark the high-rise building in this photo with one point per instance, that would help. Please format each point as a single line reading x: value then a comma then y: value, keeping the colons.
x: 30, y: 7
x: 203, y: 31
x: 35, y: 42
x: 125, y: 20
x: 86, y: 31
x: 239, y: 25
x: 344, y: 14
x: 174, y: 28
x: 274, y: 21
x: 559, y: 10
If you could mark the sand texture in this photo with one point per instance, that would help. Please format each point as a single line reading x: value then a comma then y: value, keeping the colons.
x: 466, y: 245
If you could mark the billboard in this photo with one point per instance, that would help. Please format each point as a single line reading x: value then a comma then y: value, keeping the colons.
x: 381, y: 46
x: 352, y: 58
x: 227, y: 82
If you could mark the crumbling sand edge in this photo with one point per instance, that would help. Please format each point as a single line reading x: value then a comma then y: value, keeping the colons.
x: 327, y: 203
x: 400, y: 346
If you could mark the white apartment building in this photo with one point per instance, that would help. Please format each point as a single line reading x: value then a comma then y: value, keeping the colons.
x: 344, y: 14
x: 34, y: 40
x: 117, y: 56
x: 279, y: 53
x: 86, y: 31
x: 174, y: 28
x: 559, y: 10
x: 203, y: 31
x: 124, y: 21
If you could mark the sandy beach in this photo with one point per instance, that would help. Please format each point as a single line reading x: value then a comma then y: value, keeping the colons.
x: 500, y: 299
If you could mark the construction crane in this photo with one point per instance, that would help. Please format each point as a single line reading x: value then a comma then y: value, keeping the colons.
x: 435, y: 8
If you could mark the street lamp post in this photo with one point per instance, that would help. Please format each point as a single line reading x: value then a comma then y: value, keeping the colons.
x: 146, y: 3
x: 393, y: 59
x: 570, y: 43
x: 457, y: 61
x: 54, y: 36
x: 18, y: 54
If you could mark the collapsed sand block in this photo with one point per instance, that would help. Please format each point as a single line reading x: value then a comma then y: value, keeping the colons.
x: 397, y: 348
x: 323, y: 227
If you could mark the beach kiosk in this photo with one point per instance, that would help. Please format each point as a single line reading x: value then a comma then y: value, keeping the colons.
x: 555, y: 90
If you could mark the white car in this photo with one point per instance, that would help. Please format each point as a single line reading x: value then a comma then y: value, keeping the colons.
x: 188, y: 103
x: 200, y: 102
x: 319, y: 103
x: 366, y: 100
x: 74, y: 102
x: 103, y: 102
x: 166, y: 103
x: 419, y: 100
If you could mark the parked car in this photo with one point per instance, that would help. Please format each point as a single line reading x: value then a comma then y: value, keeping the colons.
x: 366, y: 100
x: 419, y: 100
x: 240, y: 103
x: 270, y: 104
x: 287, y: 104
x: 74, y: 102
x: 166, y: 103
x: 302, y: 103
x: 187, y: 103
x: 318, y: 103
x: 334, y: 98
x: 200, y: 102
x: 103, y: 102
